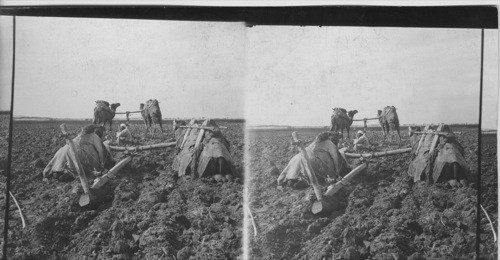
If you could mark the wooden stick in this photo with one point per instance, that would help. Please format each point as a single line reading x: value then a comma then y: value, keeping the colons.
x: 111, y: 173
x: 76, y: 161
x: 436, y: 138
x: 127, y: 112
x: 21, y: 213
x: 344, y: 181
x: 187, y: 134
x: 142, y: 147
x: 438, y: 133
x: 203, y: 127
x: 491, y: 224
x: 364, y: 119
x: 307, y: 166
x: 253, y: 221
x: 200, y: 135
x: 378, y: 154
x: 421, y: 139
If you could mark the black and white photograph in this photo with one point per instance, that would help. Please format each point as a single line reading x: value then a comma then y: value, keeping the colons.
x: 363, y: 142
x: 247, y: 131
x: 125, y: 141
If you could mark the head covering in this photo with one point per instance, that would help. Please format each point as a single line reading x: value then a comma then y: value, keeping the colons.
x: 123, y: 126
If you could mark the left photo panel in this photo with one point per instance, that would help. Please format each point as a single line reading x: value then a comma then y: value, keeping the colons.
x: 128, y: 138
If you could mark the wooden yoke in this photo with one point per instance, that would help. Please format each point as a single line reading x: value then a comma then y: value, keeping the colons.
x: 306, y: 164
x: 75, y: 160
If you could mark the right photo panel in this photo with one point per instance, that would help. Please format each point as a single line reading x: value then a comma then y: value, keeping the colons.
x: 363, y: 142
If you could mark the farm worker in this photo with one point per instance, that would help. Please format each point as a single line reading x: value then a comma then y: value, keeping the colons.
x: 361, y: 141
x: 213, y: 157
x: 89, y: 149
x: 326, y: 161
x: 124, y: 134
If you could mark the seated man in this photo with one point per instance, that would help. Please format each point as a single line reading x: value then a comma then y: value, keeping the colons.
x: 185, y: 148
x: 361, y: 141
x: 90, y: 151
x: 213, y: 155
x: 203, y: 155
x: 123, y: 135
x: 326, y: 160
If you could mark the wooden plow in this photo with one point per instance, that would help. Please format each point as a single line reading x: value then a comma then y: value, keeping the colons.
x: 323, y: 202
x: 88, y: 197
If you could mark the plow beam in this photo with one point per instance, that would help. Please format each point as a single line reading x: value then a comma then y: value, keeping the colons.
x: 319, y: 206
x: 90, y: 197
x: 378, y: 154
x: 142, y: 147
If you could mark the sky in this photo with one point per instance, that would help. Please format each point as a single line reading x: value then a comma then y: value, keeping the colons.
x: 63, y: 65
x: 431, y: 75
x: 269, y: 75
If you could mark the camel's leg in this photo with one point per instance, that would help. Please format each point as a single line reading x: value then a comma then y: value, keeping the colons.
x: 149, y: 125
x: 348, y: 133
x: 399, y: 134
x: 385, y: 134
x: 145, y: 125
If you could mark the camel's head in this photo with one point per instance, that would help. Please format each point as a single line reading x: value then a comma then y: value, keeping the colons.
x: 114, y: 106
x: 379, y: 112
x: 352, y: 113
x: 177, y: 123
x: 141, y: 106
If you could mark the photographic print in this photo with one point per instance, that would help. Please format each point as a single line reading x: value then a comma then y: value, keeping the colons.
x: 363, y: 142
x: 128, y: 138
x: 249, y: 132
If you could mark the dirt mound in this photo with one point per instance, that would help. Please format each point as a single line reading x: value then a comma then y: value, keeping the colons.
x: 145, y: 212
x: 383, y: 215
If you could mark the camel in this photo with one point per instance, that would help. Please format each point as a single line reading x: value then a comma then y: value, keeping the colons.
x: 341, y: 119
x: 389, y: 121
x: 151, y: 114
x: 104, y: 112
